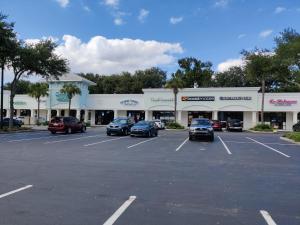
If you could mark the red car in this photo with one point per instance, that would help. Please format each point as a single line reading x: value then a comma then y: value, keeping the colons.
x: 217, y: 125
x: 66, y: 125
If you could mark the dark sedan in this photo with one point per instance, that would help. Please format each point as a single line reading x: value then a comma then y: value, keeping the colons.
x: 235, y: 124
x: 16, y: 123
x: 119, y: 126
x: 66, y: 125
x: 296, y: 127
x: 144, y: 129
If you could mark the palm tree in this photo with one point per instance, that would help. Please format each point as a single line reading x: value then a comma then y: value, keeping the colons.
x: 70, y: 90
x: 37, y: 91
x: 175, y: 83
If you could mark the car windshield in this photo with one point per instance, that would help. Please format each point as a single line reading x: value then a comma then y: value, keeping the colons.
x: 121, y: 121
x: 201, y: 122
x: 142, y: 123
x: 235, y: 121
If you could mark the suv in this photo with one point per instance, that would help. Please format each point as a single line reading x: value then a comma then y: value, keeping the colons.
x: 16, y: 123
x: 120, y: 126
x: 296, y: 127
x: 201, y: 128
x: 66, y: 125
x: 235, y: 124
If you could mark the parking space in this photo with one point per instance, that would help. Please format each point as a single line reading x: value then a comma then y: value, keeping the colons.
x: 91, y: 178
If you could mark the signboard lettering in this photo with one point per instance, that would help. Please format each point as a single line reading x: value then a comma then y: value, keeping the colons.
x: 129, y: 102
x: 236, y: 98
x: 197, y: 98
x: 283, y: 102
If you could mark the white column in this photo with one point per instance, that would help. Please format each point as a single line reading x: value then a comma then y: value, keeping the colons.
x: 93, y: 117
x: 254, y: 119
x: 116, y: 114
x: 179, y: 116
x: 215, y: 115
x: 78, y: 113
x: 147, y: 115
x: 58, y: 112
x: 8, y: 113
x: 295, y: 117
x: 18, y: 112
x: 32, y: 117
x: 86, y: 115
x: 49, y: 115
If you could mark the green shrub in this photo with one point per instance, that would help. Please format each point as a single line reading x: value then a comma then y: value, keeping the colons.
x: 88, y: 124
x: 262, y: 127
x: 46, y: 123
x: 174, y: 125
x: 293, y: 135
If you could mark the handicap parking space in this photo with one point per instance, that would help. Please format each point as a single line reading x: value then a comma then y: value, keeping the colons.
x: 92, y: 178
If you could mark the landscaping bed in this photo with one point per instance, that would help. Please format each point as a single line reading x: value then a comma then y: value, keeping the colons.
x: 295, y: 136
x: 15, y: 129
x: 174, y: 126
x: 262, y: 128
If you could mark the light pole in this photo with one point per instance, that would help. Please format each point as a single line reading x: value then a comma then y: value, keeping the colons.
x: 2, y: 90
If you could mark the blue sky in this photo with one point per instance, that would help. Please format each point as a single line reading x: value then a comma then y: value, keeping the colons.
x: 214, y: 30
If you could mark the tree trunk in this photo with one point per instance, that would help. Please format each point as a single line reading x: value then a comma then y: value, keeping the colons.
x: 175, y: 106
x: 69, y: 106
x: 11, y: 106
x: 2, y: 88
x: 38, y: 112
x: 263, y: 90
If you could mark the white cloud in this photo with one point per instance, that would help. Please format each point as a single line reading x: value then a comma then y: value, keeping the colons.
x: 111, y: 3
x: 36, y: 40
x: 175, y: 20
x: 226, y: 65
x: 279, y: 9
x: 143, y: 15
x: 86, y: 8
x: 241, y: 36
x: 107, y: 56
x: 63, y: 3
x: 118, y: 21
x: 265, y: 33
x: 221, y: 3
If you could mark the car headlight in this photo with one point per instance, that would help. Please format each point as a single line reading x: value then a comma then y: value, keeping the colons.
x: 192, y: 129
x: 210, y: 129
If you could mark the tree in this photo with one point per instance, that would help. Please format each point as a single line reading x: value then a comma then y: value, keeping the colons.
x: 37, y: 91
x: 195, y: 72
x: 175, y: 83
x: 22, y: 87
x: 260, y: 67
x: 70, y: 90
x: 233, y: 77
x: 34, y: 59
x: 7, y: 40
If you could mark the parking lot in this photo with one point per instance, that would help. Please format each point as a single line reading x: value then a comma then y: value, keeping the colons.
x: 90, y: 178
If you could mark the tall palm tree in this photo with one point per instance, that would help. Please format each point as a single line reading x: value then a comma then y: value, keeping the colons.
x: 175, y: 83
x: 37, y: 91
x: 70, y: 90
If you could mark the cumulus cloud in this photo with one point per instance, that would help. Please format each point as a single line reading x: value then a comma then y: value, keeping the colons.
x: 112, y: 3
x: 265, y: 33
x: 118, y: 21
x: 221, y: 3
x: 143, y: 15
x: 226, y: 65
x: 107, y: 56
x: 86, y: 8
x: 63, y: 3
x: 34, y: 41
x: 175, y: 20
x: 279, y: 9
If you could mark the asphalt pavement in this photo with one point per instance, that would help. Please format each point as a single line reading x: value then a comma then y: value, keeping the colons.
x: 93, y: 179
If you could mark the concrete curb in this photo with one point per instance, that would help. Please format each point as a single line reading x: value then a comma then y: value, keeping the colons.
x: 290, y: 140
x: 176, y: 129
x: 20, y: 131
x: 262, y: 132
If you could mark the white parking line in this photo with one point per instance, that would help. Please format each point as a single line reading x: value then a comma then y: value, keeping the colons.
x: 111, y: 220
x: 72, y: 139
x: 273, y: 149
x: 225, y: 146
x: 29, y: 139
x: 267, y: 217
x: 131, y: 146
x: 251, y: 142
x: 179, y: 147
x: 15, y: 191
x: 96, y: 143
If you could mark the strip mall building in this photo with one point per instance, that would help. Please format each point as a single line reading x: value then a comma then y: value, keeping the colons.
x: 244, y: 103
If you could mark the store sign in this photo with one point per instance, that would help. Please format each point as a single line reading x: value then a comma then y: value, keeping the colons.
x: 129, y: 102
x: 236, y: 98
x: 20, y: 103
x: 162, y: 99
x: 197, y: 98
x: 60, y: 97
x: 283, y: 102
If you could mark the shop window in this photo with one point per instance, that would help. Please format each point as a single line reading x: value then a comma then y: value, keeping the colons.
x: 136, y: 115
x: 103, y: 117
x: 62, y: 112
x: 25, y: 112
x: 164, y: 116
x: 275, y: 119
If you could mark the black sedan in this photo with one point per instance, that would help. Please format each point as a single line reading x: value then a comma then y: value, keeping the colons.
x: 119, y: 126
x: 16, y: 123
x: 296, y: 127
x: 144, y: 129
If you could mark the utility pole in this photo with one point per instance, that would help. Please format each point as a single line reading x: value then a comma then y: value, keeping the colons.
x: 2, y: 90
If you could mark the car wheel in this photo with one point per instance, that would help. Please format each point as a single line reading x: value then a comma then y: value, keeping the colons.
x: 108, y: 134
x: 125, y: 132
x: 191, y: 138
x: 69, y: 130
x: 156, y: 133
x: 212, y: 138
x: 149, y: 134
x: 83, y: 129
x: 53, y: 132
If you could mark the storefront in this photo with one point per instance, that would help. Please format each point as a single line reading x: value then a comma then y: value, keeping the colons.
x: 244, y: 103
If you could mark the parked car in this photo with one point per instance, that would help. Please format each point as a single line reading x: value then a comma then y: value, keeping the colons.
x: 217, y: 125
x: 144, y: 128
x: 20, y: 118
x: 16, y: 123
x: 235, y: 124
x: 119, y: 126
x: 66, y: 125
x: 201, y: 127
x: 159, y: 124
x: 296, y: 127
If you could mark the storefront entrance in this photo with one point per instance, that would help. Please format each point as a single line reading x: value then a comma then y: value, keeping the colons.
x: 225, y: 116
x: 276, y: 120
x: 164, y: 116
x: 200, y: 114
x: 136, y: 115
x: 103, y: 117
